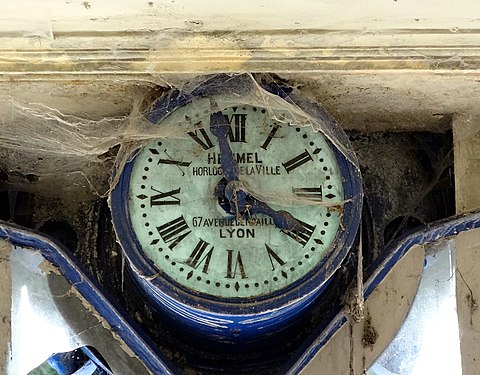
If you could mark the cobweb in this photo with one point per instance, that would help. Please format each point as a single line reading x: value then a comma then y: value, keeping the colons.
x: 38, y: 142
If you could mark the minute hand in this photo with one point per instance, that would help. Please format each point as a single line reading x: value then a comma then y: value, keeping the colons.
x: 220, y: 129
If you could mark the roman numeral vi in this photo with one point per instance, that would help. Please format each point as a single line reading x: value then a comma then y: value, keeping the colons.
x: 234, y: 266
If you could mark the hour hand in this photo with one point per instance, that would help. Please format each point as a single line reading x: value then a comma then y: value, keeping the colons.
x: 220, y: 129
x: 282, y: 219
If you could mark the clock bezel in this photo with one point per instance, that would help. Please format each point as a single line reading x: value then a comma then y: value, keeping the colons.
x: 175, y: 299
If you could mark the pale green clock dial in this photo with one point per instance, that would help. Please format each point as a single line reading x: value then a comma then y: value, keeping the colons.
x: 183, y: 229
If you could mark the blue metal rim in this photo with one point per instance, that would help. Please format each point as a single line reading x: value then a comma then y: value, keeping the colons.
x: 435, y: 232
x: 115, y: 316
x: 164, y: 291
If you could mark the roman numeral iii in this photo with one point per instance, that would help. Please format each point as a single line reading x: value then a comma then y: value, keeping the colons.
x: 313, y: 193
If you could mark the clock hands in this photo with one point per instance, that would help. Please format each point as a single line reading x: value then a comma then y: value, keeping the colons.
x: 220, y: 129
x: 281, y: 218
x: 233, y: 189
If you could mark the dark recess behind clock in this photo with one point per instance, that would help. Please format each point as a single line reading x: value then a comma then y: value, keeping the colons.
x: 408, y: 182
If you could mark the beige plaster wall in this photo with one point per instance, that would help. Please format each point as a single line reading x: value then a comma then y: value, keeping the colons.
x: 5, y: 304
x: 466, y: 132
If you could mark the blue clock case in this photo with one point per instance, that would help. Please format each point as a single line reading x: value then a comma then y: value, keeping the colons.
x: 248, y: 319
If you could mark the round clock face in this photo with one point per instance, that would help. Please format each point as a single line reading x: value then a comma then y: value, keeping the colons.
x: 191, y: 232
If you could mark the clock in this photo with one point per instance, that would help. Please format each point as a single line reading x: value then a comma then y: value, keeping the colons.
x: 235, y: 220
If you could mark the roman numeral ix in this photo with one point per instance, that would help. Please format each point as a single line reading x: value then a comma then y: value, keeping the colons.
x: 167, y: 198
